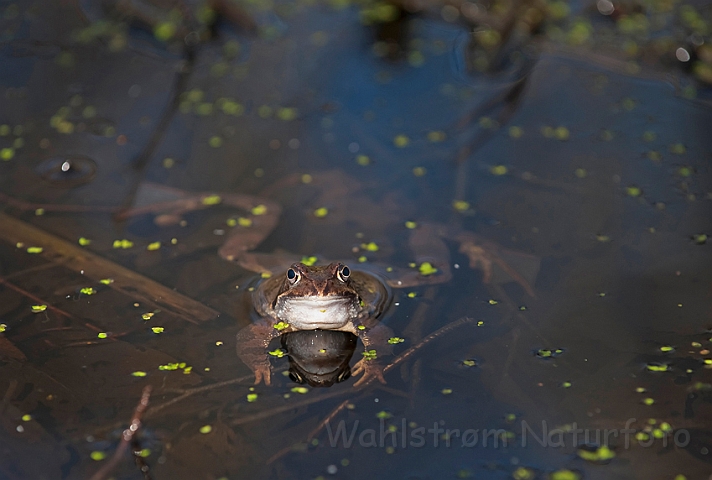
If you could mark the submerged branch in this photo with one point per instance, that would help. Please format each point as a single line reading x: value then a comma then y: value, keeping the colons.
x: 126, y: 437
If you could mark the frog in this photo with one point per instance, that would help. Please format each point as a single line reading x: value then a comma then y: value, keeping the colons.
x: 331, y: 297
x: 296, y: 293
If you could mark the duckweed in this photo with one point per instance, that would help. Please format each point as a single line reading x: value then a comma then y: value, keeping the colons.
x: 426, y: 269
x: 498, y: 170
x: 123, y: 244
x: 309, y: 261
x: 460, y: 205
x: 259, y: 210
x: 369, y: 355
x: 600, y: 455
x: 401, y: 141
x: 97, y: 456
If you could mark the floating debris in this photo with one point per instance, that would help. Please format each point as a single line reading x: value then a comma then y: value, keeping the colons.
x: 67, y: 171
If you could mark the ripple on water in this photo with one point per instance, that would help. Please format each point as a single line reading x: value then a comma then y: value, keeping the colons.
x: 67, y: 170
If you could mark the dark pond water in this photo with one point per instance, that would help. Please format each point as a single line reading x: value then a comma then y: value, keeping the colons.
x: 578, y: 346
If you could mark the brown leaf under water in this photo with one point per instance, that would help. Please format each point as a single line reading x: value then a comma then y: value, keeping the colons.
x: 59, y: 251
x: 9, y: 350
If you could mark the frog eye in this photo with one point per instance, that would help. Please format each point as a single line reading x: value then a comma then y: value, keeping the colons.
x: 293, y: 276
x: 344, y: 273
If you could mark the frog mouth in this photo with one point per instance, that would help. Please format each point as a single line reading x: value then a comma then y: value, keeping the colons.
x: 313, y: 312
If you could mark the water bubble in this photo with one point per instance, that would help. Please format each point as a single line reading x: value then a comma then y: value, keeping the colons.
x: 605, y: 7
x: 682, y: 55
x: 67, y: 171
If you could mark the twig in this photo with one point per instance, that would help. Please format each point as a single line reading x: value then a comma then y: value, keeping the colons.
x: 193, y: 391
x: 126, y: 436
x: 312, y: 434
x: 395, y: 362
x: 48, y: 207
x: 408, y: 353
x: 34, y: 298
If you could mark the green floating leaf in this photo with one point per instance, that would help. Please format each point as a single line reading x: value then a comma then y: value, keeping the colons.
x: 633, y: 191
x: 309, y: 261
x: 370, y: 247
x: 123, y: 244
x: 549, y: 353
x: 498, y: 170
x: 658, y: 367
x: 600, y: 455
x: 700, y: 238
x: 461, y: 205
x: 426, y: 268
x: 321, y: 212
x: 212, y: 200
x: 369, y: 355
x: 97, y: 456
x: 564, y: 475
x: 259, y: 210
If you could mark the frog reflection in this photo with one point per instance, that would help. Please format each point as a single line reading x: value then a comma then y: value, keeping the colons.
x: 319, y: 358
x: 313, y: 298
